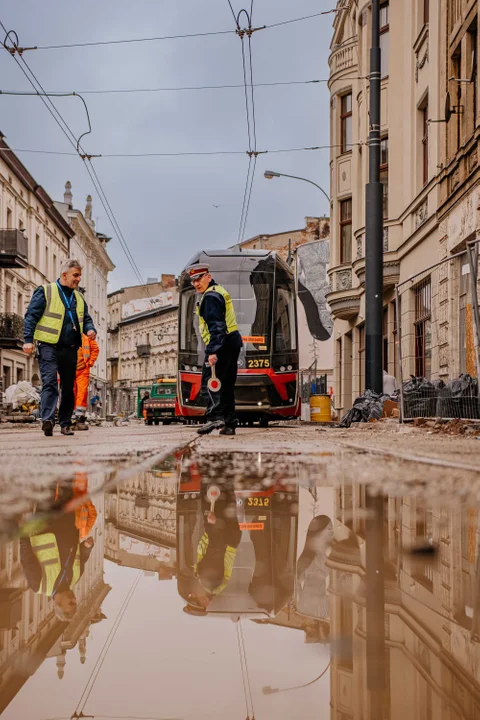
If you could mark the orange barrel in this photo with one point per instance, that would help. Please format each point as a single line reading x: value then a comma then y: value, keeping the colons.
x: 320, y: 408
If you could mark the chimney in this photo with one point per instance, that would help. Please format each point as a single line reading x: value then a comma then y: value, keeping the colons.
x: 88, y: 211
x: 68, y: 197
x: 168, y: 281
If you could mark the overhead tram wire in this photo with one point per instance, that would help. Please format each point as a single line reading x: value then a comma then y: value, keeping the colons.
x: 75, y: 142
x: 250, y: 116
x: 126, y: 41
x: 176, y: 154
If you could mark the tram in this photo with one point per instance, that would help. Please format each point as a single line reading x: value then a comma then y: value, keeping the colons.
x: 262, y: 289
x: 258, y: 526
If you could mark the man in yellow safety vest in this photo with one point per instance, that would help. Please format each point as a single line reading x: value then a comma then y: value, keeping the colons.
x: 56, y: 318
x: 54, y: 551
x: 223, y: 342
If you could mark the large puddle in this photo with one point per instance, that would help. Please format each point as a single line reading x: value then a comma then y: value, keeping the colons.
x: 238, y: 586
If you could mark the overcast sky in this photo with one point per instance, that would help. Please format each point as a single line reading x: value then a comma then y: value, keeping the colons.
x: 165, y: 206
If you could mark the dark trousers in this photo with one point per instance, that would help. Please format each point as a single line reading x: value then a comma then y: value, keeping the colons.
x: 221, y: 405
x: 62, y: 360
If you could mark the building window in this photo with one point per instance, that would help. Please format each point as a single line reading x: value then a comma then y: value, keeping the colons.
x: 423, y: 329
x: 37, y: 251
x: 361, y: 355
x: 19, y: 304
x: 463, y: 302
x: 424, y: 112
x: 384, y: 37
x: 8, y: 299
x: 385, y: 338
x: 426, y: 11
x: 384, y: 173
x: 9, y: 219
x: 346, y: 123
x: 346, y: 231
x: 46, y: 263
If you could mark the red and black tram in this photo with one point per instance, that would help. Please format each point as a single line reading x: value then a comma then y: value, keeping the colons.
x: 262, y: 289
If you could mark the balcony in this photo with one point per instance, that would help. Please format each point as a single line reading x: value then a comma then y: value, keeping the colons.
x: 144, y: 350
x: 13, y: 249
x: 343, y: 298
x: 391, y: 272
x: 11, y: 331
x: 344, y: 58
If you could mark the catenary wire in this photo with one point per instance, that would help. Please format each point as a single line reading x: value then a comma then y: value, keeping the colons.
x: 176, y: 154
x: 123, y: 41
x: 76, y: 144
x: 106, y: 647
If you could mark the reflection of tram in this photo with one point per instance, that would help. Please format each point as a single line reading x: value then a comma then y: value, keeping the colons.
x: 262, y: 288
x: 248, y: 552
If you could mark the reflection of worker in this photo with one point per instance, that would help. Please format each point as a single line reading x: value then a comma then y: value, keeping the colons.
x: 87, y: 355
x: 53, y: 558
x: 216, y: 552
x: 223, y: 342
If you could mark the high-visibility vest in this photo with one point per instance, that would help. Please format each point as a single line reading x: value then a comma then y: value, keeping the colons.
x: 230, y: 318
x: 50, y: 324
x: 228, y: 562
x: 46, y: 549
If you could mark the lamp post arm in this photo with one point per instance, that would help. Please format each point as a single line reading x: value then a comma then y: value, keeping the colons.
x: 295, y: 177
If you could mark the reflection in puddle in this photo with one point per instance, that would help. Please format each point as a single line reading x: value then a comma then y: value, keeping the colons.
x: 278, y: 598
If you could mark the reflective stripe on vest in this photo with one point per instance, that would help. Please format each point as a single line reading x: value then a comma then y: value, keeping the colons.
x: 230, y: 319
x: 46, y: 549
x: 50, y: 324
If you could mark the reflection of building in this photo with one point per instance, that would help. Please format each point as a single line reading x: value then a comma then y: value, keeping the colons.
x: 89, y: 247
x: 142, y: 341
x: 432, y: 650
x: 140, y: 523
x: 29, y: 629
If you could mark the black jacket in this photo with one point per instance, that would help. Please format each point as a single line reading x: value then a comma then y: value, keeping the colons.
x: 68, y: 336
x: 213, y: 311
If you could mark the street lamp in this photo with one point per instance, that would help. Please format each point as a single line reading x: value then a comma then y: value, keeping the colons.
x: 270, y: 174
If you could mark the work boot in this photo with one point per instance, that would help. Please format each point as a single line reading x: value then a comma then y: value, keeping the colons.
x: 80, y: 426
x: 47, y: 427
x: 67, y: 430
x: 210, y: 427
x: 227, y: 431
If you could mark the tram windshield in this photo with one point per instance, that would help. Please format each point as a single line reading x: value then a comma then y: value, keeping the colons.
x: 252, y: 294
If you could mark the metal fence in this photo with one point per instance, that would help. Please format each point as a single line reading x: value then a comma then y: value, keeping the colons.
x: 437, y: 327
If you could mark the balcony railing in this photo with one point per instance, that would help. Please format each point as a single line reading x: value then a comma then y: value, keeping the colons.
x: 13, y: 249
x: 11, y: 331
x: 144, y: 350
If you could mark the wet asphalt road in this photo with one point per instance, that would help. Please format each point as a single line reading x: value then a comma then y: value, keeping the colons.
x: 276, y: 574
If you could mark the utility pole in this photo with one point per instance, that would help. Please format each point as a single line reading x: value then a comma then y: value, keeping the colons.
x: 374, y: 222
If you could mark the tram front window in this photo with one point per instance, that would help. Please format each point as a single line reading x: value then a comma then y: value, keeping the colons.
x: 189, y: 332
x: 251, y: 294
x: 284, y: 327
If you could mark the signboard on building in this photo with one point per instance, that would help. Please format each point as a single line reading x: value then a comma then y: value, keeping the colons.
x: 134, y: 307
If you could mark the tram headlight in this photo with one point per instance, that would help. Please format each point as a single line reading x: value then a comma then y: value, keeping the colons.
x: 194, y: 368
x: 282, y: 368
x: 289, y: 367
x: 260, y: 403
x: 187, y: 367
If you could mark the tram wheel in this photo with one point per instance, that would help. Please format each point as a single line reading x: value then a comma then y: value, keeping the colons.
x: 264, y: 422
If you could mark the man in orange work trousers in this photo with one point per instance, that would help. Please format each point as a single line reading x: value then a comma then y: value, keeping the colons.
x: 87, y: 354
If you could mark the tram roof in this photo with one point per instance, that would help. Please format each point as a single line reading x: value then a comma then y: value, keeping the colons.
x: 203, y: 255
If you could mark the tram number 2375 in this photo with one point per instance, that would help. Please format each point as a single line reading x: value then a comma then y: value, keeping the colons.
x: 258, y: 502
x: 258, y: 362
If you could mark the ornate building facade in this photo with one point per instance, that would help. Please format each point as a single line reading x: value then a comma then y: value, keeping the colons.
x: 142, y: 343
x: 34, y: 241
x: 429, y: 170
x: 90, y: 248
